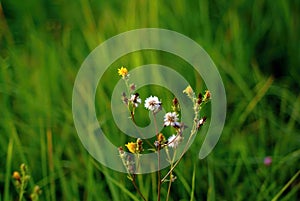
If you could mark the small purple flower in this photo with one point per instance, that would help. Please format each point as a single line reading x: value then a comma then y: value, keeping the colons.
x: 268, y: 161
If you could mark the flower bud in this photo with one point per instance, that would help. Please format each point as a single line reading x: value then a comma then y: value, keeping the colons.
x: 199, y: 100
x: 189, y: 91
x: 16, y: 175
x: 207, y: 96
x: 139, y: 143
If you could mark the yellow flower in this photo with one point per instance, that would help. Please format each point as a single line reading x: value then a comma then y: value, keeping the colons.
x: 189, y: 91
x: 131, y: 146
x: 123, y: 72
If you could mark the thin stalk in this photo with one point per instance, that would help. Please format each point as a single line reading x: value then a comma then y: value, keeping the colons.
x: 171, y: 175
x: 132, y: 114
x: 155, y: 125
x: 23, y: 182
x: 136, y: 187
x: 158, y: 155
x: 177, y: 162
x: 169, y: 188
x: 158, y: 176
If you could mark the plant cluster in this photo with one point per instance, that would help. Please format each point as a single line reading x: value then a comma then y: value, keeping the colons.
x: 21, y: 179
x: 163, y: 141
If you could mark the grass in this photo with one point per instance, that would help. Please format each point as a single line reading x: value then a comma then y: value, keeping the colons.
x: 254, y: 44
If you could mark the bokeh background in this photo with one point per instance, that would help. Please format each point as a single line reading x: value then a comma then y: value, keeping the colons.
x: 254, y: 44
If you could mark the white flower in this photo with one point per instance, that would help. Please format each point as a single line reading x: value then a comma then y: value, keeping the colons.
x: 135, y: 99
x: 152, y: 103
x: 174, y: 141
x: 171, y: 119
x: 201, y: 122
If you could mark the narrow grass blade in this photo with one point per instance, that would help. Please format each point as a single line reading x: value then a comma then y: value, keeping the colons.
x: 117, y: 183
x: 255, y: 100
x: 211, y: 194
x: 8, y: 170
x: 286, y: 186
x: 193, y: 183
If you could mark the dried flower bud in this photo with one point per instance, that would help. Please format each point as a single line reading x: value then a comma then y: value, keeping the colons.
x: 161, y: 138
x: 207, y: 96
x: 199, y: 100
x: 139, y: 143
x: 175, y: 106
x: 132, y: 87
x: 175, y: 102
x: 189, y: 91
x: 121, y: 152
x: 124, y: 98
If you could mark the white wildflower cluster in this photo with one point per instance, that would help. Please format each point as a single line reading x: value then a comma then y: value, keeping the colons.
x: 172, y: 119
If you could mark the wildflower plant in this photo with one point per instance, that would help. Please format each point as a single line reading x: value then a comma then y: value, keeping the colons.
x: 21, y: 179
x: 167, y: 143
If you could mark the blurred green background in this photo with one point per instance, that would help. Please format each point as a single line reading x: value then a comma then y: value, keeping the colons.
x: 254, y: 44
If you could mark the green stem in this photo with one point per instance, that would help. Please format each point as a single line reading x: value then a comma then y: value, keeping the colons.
x: 23, y: 185
x: 158, y: 155
x: 169, y: 186
x: 171, y: 175
x: 158, y: 176
x: 137, y: 188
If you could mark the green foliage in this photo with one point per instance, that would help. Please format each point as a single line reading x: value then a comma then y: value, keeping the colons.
x: 254, y: 44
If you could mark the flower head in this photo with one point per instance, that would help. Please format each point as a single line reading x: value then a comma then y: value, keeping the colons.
x: 152, y: 103
x: 171, y: 119
x: 131, y: 146
x: 268, y: 161
x: 135, y: 99
x: 174, y: 141
x: 123, y: 72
